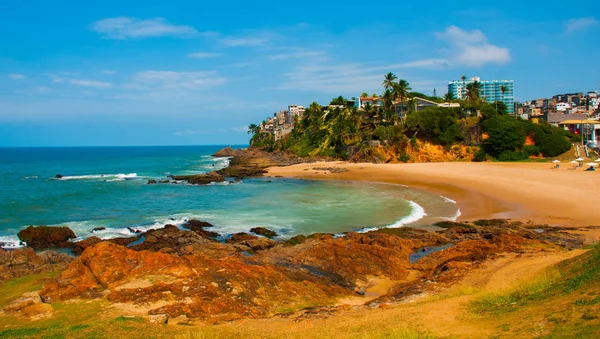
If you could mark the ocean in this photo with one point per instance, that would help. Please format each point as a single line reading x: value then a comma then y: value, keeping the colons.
x: 107, y: 187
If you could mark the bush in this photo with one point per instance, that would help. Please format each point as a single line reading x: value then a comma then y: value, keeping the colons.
x: 553, y: 145
x: 436, y: 124
x: 513, y: 156
x: 532, y: 150
x: 505, y: 134
x: 404, y: 157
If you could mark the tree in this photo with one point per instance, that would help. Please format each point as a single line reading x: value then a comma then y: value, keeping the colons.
x: 388, y: 81
x: 463, y: 78
x: 339, y: 101
x: 253, y: 129
x: 401, y: 89
x: 364, y: 95
x: 505, y: 135
x: 504, y: 89
x: 473, y: 92
x: 449, y: 97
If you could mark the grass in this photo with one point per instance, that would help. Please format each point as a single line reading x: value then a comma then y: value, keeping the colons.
x: 15, y: 288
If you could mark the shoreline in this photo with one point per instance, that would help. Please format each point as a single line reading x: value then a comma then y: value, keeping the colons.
x: 518, y: 191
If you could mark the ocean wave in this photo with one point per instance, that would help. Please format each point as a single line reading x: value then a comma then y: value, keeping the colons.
x: 416, y: 214
x: 107, y: 177
x: 11, y: 242
x: 448, y: 199
x: 453, y: 218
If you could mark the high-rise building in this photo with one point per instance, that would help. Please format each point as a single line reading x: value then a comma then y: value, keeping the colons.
x: 491, y: 91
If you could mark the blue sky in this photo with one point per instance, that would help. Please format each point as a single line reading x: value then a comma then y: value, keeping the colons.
x: 185, y: 72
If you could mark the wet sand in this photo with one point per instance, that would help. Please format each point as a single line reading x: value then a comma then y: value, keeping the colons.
x: 520, y: 191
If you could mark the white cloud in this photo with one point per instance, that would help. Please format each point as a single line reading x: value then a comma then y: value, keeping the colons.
x: 88, y: 83
x: 471, y: 48
x: 39, y: 90
x: 244, y: 42
x: 347, y: 78
x: 298, y: 54
x: 240, y: 129
x: 203, y: 55
x: 108, y: 71
x: 126, y: 28
x: 16, y: 76
x: 575, y: 25
x: 181, y: 80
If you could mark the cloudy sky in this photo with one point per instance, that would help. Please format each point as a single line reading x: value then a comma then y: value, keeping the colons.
x: 186, y: 72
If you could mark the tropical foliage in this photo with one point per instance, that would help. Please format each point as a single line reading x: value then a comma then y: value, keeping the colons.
x: 392, y: 121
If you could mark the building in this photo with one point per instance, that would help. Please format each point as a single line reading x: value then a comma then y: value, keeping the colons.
x: 401, y: 108
x: 490, y: 91
x: 373, y: 101
x: 296, y: 111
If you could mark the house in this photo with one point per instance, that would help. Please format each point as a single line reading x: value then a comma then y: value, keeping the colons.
x: 373, y: 101
x: 402, y: 108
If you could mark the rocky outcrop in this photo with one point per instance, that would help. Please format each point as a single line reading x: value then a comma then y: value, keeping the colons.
x: 253, y: 162
x: 248, y: 242
x: 195, y: 285
x: 198, y: 226
x: 200, y: 179
x: 264, y: 232
x: 80, y: 246
x: 227, y: 152
x: 23, y: 262
x: 41, y: 237
x: 182, y: 273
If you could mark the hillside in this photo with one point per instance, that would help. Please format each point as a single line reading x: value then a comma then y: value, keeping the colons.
x: 397, y: 129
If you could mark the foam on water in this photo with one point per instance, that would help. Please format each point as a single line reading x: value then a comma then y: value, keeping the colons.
x: 107, y: 177
x: 448, y: 199
x: 453, y: 218
x: 416, y: 214
x: 11, y: 242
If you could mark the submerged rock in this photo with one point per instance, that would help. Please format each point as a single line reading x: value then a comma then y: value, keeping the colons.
x: 41, y: 237
x: 98, y: 229
x: 200, y: 179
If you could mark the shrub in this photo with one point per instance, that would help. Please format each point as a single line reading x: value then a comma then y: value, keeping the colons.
x: 532, y: 150
x: 552, y: 145
x: 505, y: 134
x: 513, y: 156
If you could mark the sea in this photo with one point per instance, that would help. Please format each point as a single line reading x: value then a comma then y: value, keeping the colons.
x: 108, y: 187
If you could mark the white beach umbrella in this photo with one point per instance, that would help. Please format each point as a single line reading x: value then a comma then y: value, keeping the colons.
x: 592, y: 164
x: 579, y: 159
x: 557, y: 161
x: 597, y: 160
x: 574, y: 162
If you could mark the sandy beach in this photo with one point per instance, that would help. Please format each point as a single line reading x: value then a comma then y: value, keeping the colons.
x: 521, y: 191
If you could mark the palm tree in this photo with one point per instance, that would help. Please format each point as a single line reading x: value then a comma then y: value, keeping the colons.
x: 503, y: 89
x: 463, y: 78
x: 388, y: 81
x: 401, y: 89
x: 449, y: 97
x: 253, y: 129
x: 364, y: 95
x: 473, y: 90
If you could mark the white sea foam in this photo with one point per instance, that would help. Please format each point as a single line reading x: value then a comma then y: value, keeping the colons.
x: 448, y: 199
x: 11, y: 242
x: 416, y: 214
x: 453, y: 218
x: 107, y: 177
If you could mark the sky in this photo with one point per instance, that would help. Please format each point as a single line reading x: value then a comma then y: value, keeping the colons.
x: 124, y: 73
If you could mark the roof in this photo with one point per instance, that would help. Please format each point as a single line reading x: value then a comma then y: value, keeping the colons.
x: 580, y: 122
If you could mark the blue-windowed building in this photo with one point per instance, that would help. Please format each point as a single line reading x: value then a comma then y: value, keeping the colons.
x: 490, y: 91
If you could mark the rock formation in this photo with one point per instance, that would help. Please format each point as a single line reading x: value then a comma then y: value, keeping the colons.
x: 41, y: 237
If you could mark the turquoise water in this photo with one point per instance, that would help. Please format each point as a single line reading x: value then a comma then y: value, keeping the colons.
x: 106, y: 187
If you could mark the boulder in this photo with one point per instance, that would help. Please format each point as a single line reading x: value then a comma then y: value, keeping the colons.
x: 151, y: 181
x: 192, y: 224
x: 22, y: 262
x: 249, y: 242
x: 80, y: 246
x: 264, y: 232
x: 40, y: 237
x: 58, y: 176
x: 200, y: 179
x: 98, y: 229
x: 29, y: 306
x: 225, y: 152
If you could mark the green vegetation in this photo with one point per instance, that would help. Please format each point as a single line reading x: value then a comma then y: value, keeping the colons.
x: 342, y: 130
